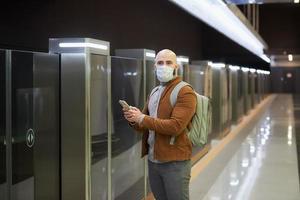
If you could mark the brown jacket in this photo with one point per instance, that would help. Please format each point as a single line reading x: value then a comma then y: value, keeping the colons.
x: 170, y: 122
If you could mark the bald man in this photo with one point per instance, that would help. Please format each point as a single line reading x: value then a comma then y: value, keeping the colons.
x: 169, y: 165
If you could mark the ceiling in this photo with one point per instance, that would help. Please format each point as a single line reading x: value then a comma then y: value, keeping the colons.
x: 280, y: 28
x: 257, y: 1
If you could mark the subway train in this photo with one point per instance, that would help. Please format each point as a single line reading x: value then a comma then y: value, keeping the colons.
x: 63, y: 134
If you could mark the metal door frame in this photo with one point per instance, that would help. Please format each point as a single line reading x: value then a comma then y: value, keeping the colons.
x: 83, y: 70
x: 8, y: 126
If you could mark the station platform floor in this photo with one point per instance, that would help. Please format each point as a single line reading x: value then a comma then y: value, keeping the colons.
x: 257, y: 160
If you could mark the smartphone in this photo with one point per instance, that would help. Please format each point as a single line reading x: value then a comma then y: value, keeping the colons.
x: 124, y: 104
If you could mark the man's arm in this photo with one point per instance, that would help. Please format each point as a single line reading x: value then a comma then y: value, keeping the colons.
x: 182, y: 114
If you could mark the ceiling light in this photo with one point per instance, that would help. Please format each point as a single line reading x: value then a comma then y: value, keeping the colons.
x: 183, y: 59
x: 234, y: 182
x: 150, y: 55
x: 265, y: 58
x: 234, y: 68
x: 219, y: 16
x: 82, y: 44
x: 290, y: 56
x: 245, y: 69
x: 218, y: 65
x: 260, y: 71
x: 245, y: 162
x: 296, y: 1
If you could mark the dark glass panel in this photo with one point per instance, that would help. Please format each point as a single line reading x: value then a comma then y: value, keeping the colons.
x: 127, y: 165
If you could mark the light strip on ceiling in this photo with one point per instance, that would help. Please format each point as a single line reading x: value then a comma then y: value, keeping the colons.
x: 234, y: 68
x: 265, y: 58
x: 217, y: 15
x: 262, y: 71
x: 150, y: 55
x: 82, y: 44
x: 182, y: 59
x: 259, y: 71
x: 218, y: 65
x: 252, y: 70
x: 245, y: 69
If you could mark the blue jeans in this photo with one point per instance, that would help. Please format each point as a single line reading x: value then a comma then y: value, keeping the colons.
x: 170, y: 180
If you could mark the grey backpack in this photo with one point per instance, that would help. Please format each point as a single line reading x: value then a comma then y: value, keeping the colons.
x: 201, y: 121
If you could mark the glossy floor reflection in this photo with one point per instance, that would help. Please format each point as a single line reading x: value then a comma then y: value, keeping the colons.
x: 265, y: 164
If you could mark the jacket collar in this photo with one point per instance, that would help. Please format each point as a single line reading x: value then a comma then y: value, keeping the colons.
x: 170, y: 85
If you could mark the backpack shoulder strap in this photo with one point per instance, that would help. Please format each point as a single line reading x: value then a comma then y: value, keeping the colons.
x: 173, y: 99
x: 175, y: 91
x: 153, y: 91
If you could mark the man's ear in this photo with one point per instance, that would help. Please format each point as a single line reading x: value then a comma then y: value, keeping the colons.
x: 176, y: 66
x: 175, y: 73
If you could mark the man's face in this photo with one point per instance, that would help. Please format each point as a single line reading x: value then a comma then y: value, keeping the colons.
x: 166, y: 57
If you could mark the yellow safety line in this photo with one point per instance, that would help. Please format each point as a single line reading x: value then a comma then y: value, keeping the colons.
x: 214, y: 152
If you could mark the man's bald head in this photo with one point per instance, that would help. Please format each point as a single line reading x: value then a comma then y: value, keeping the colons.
x: 166, y: 57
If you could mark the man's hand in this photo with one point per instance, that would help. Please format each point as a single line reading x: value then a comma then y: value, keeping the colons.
x: 134, y: 115
x: 128, y: 115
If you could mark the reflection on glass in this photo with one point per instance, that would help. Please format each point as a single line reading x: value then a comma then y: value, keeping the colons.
x: 237, y: 101
x: 98, y: 126
x: 229, y: 97
x: 256, y: 83
x: 22, y: 121
x: 186, y: 73
x: 245, y: 91
x: 183, y: 72
x: 256, y: 88
x: 197, y: 78
x: 127, y: 165
x: 240, y: 83
x: 252, y: 90
x: 151, y: 80
x: 224, y: 90
x: 2, y: 128
x: 200, y: 78
x: 249, y: 83
x: 235, y: 109
x: 240, y: 86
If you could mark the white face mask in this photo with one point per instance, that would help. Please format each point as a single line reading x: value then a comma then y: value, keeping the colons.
x: 164, y: 73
